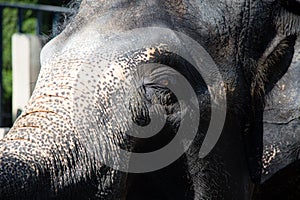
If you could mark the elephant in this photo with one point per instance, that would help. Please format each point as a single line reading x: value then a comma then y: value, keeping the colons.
x: 116, y: 66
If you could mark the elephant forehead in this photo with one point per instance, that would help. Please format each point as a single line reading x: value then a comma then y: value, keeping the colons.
x: 93, y: 76
x: 92, y: 45
x: 177, y: 5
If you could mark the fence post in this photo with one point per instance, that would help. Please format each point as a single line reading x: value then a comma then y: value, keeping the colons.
x: 26, y: 66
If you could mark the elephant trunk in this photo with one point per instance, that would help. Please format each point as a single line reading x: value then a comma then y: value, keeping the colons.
x: 36, y: 163
x: 21, y: 172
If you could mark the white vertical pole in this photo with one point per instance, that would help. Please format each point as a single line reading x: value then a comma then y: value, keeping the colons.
x: 26, y: 65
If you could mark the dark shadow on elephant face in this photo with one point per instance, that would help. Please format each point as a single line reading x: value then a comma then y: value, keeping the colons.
x: 173, y: 181
x: 283, y: 185
x: 291, y: 5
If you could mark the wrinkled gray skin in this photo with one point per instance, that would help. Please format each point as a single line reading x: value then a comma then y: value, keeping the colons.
x: 77, y: 110
x: 281, y: 165
x: 282, y: 111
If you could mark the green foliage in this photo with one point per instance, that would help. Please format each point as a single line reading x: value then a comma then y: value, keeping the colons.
x: 9, y: 28
x: 10, y: 18
x: 7, y: 80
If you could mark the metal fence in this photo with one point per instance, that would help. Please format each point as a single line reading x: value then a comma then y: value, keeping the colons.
x: 38, y: 10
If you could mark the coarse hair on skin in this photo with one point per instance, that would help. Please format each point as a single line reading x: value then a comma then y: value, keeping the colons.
x: 270, y: 67
x: 64, y: 20
x: 271, y: 64
x: 68, y: 17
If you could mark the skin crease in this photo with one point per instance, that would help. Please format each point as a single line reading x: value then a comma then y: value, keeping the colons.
x: 85, y: 86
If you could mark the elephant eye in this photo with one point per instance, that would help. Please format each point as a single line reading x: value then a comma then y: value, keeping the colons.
x: 164, y: 76
x: 164, y: 82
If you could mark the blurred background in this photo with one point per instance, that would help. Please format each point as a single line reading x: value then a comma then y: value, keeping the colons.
x: 40, y: 19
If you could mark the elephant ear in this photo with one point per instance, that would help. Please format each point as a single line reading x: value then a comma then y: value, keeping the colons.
x: 271, y: 67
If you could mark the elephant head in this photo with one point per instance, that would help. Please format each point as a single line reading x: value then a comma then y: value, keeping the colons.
x: 122, y: 70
